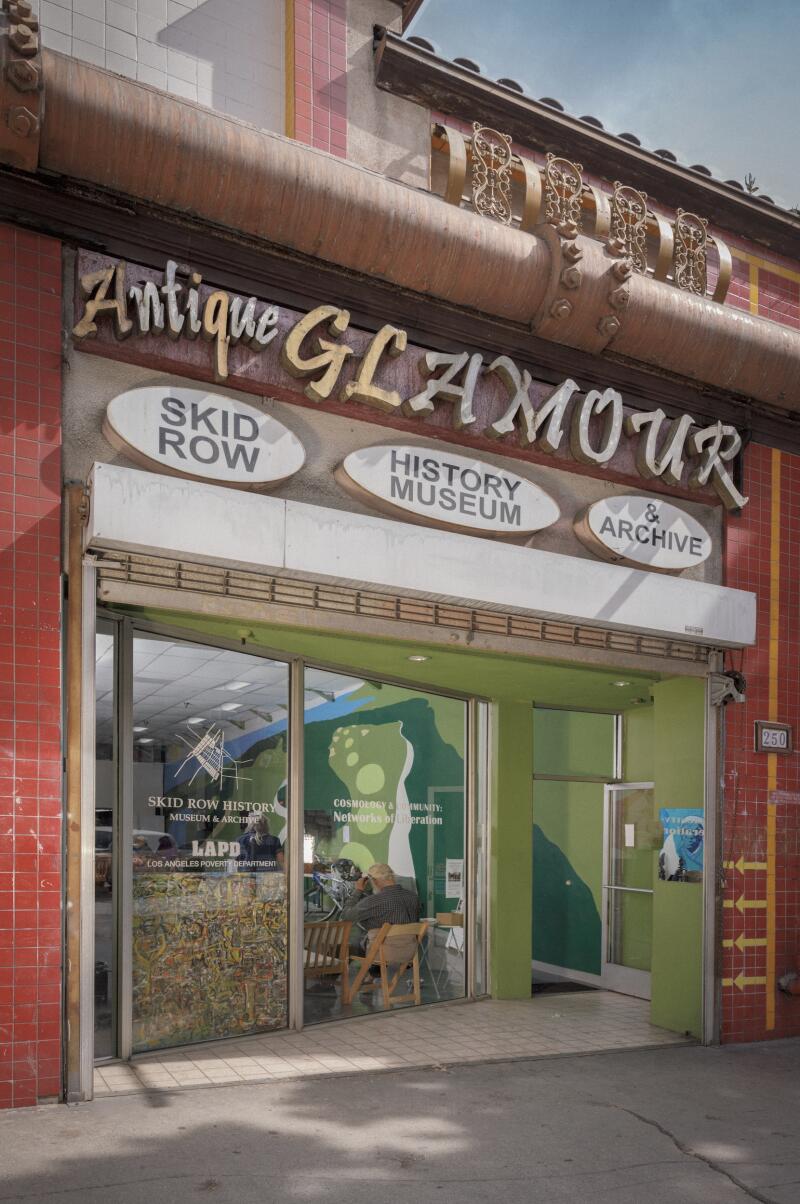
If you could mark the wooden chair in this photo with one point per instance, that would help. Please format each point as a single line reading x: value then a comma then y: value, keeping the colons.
x: 326, y: 947
x: 395, y: 947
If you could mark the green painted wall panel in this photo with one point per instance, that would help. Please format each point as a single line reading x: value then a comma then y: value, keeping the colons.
x: 511, y: 850
x: 679, y: 758
x: 637, y: 744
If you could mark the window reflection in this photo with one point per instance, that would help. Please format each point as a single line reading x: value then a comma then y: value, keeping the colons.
x: 210, y: 779
x: 384, y: 793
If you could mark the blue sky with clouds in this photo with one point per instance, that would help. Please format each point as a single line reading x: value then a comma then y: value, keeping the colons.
x: 715, y: 81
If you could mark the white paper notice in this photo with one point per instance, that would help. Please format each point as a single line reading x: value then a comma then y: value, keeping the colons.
x: 454, y: 874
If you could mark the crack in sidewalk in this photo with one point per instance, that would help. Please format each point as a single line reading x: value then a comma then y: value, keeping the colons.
x: 688, y: 1152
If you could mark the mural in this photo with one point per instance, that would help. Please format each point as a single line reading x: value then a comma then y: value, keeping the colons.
x: 209, y: 956
x: 387, y: 785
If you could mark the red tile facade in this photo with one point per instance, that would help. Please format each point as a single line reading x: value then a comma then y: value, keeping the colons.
x: 762, y: 911
x: 30, y: 659
x: 320, y: 71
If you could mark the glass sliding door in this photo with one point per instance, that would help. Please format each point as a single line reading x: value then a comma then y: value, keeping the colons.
x: 384, y: 785
x: 633, y: 841
x: 206, y: 842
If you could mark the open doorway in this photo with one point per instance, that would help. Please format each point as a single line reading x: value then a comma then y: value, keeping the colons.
x: 618, y: 851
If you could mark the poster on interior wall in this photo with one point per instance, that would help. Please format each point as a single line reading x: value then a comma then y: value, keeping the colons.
x: 681, y: 856
x: 454, y: 877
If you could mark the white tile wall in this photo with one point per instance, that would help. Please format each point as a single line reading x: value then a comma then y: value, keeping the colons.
x: 226, y: 54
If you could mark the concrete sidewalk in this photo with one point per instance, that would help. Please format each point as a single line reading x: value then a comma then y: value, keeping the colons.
x: 452, y: 1034
x: 677, y: 1124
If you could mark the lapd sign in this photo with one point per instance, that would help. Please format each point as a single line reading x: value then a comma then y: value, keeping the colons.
x: 190, y: 432
x: 644, y: 531
x: 443, y: 489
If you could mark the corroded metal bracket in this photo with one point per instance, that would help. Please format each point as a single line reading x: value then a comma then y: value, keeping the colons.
x: 21, y: 85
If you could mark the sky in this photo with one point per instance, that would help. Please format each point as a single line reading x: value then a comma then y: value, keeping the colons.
x: 715, y: 81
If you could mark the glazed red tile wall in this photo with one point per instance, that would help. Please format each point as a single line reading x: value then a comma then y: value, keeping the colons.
x: 779, y: 298
x: 747, y: 793
x: 30, y: 658
x: 320, y: 67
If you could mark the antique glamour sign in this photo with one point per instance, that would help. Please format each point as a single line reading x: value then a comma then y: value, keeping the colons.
x: 193, y: 433
x: 172, y: 321
x: 646, y: 532
x: 442, y: 489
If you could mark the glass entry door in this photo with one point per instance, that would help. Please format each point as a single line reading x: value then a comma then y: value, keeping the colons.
x: 632, y: 843
x: 191, y: 920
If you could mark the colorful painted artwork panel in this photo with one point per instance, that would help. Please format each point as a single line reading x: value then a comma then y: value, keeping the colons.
x: 209, y: 956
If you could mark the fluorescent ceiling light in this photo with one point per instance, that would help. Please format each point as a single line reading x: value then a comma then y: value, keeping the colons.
x: 140, y: 727
x: 621, y: 683
x: 237, y: 685
x: 231, y: 706
x: 145, y: 740
x: 418, y: 658
x: 196, y: 719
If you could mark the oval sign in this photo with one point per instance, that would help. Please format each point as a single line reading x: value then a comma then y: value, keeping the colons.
x: 644, y: 531
x: 443, y: 489
x: 206, y: 436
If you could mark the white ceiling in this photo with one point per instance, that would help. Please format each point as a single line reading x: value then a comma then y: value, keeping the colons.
x: 175, y: 681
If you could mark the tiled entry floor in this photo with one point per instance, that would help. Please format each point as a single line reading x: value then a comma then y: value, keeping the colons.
x: 444, y: 1034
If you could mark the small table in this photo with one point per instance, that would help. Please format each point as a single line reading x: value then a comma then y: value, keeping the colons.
x: 436, y: 977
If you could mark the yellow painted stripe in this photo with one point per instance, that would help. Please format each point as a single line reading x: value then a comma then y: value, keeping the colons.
x: 772, y: 708
x: 288, y: 68
x: 757, y: 262
x: 753, y: 288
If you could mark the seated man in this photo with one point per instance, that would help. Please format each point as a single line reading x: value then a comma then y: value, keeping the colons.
x: 388, y: 904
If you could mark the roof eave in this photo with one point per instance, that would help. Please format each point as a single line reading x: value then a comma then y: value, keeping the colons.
x: 408, y: 70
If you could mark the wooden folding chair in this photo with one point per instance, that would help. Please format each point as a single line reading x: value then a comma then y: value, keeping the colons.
x: 383, y: 952
x: 326, y: 950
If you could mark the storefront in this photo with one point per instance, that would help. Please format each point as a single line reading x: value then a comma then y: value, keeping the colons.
x: 347, y: 614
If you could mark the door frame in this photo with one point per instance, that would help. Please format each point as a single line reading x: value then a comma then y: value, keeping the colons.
x: 623, y: 979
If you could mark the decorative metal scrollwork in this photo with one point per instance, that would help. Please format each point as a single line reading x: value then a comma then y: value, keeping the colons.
x: 563, y: 187
x: 690, y: 254
x: 491, y: 173
x: 628, y: 233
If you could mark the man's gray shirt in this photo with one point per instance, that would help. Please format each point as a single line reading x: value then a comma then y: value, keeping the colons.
x: 392, y: 905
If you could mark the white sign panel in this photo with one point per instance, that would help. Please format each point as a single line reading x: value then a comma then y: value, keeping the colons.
x: 193, y: 433
x: 447, y: 490
x: 644, y: 531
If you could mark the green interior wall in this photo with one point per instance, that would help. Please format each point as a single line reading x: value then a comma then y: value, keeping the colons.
x: 568, y: 874
x: 679, y: 775
x: 575, y: 743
